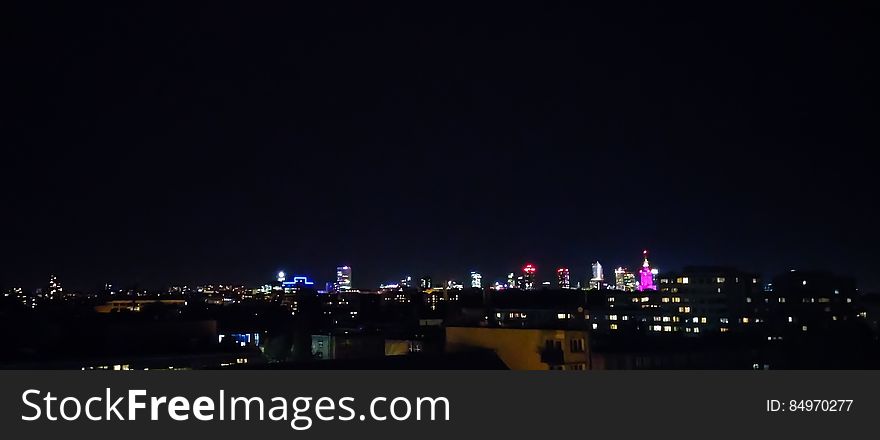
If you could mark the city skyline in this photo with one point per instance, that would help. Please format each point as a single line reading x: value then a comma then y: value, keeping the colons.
x: 625, y: 278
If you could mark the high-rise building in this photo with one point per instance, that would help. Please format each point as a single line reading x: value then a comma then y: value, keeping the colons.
x: 528, y: 278
x: 598, y: 276
x: 476, y: 280
x: 425, y: 283
x: 563, y: 281
x: 55, y: 291
x: 511, y: 281
x: 646, y: 275
x: 343, y: 278
x: 624, y: 279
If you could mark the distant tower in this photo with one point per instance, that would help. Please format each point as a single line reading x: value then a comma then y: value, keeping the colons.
x: 54, y: 291
x: 562, y: 278
x: 343, y: 278
x: 476, y: 280
x: 598, y: 276
x: 281, y: 276
x: 646, y: 275
x: 425, y: 282
x: 624, y: 279
x: 529, y: 272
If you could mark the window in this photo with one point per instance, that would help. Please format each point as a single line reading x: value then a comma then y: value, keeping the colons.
x: 703, y: 320
x: 723, y: 320
x: 613, y: 326
x: 666, y: 319
x: 724, y: 329
x: 612, y: 317
x: 685, y: 280
x: 719, y: 280
x: 745, y: 320
x: 667, y: 328
x: 576, y: 345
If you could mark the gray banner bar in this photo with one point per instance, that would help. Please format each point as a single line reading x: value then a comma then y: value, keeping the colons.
x: 661, y: 404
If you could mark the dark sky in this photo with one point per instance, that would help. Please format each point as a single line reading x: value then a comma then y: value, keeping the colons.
x: 159, y: 146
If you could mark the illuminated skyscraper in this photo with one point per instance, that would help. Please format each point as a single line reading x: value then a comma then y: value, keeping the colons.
x: 476, y: 280
x: 511, y: 281
x: 343, y: 278
x: 646, y: 275
x: 425, y: 283
x: 528, y: 278
x: 54, y: 291
x: 563, y: 281
x: 624, y: 279
x: 598, y: 277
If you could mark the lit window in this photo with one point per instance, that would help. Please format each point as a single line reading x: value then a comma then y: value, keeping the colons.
x: 724, y: 329
x: 703, y: 320
x: 685, y: 280
x: 612, y: 317
x: 745, y: 320
x: 804, y: 328
x: 791, y: 319
x: 719, y: 280
x: 696, y: 329
x: 613, y: 326
x: 667, y: 328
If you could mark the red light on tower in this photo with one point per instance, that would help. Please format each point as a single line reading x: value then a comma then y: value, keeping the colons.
x: 529, y: 268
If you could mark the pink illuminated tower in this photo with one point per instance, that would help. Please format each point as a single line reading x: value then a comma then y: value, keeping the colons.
x: 646, y: 275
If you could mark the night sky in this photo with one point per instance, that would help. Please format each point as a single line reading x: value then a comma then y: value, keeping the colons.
x: 178, y: 146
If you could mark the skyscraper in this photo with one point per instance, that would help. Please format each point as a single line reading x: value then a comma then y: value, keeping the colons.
x: 598, y: 276
x: 511, y: 281
x: 54, y: 291
x: 425, y: 282
x: 476, y: 280
x: 529, y: 272
x: 343, y: 278
x: 563, y: 280
x: 624, y: 279
x: 646, y: 275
